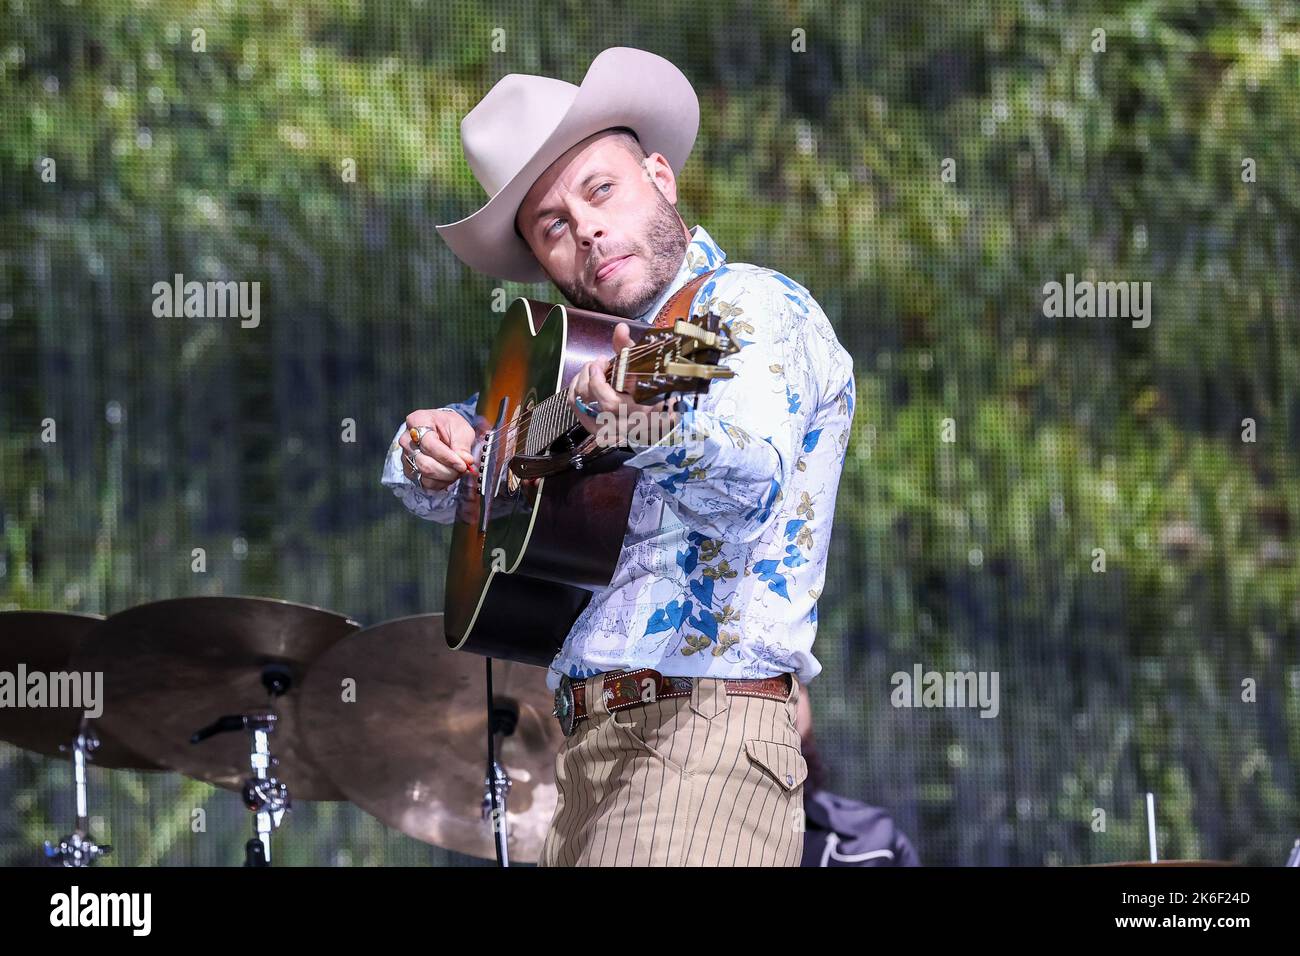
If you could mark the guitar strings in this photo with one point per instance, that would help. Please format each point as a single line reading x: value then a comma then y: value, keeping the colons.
x: 511, y: 429
x: 555, y: 408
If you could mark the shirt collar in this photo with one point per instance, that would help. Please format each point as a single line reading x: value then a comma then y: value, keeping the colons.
x: 702, y: 255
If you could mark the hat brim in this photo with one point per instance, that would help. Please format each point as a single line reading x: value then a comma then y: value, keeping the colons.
x: 623, y: 87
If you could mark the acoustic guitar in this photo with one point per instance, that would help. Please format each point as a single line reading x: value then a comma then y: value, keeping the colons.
x: 526, y: 556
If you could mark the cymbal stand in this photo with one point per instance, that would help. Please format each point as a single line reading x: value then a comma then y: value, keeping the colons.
x: 503, y: 717
x: 79, y: 848
x: 265, y: 795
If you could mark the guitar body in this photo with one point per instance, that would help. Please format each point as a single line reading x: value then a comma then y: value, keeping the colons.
x: 541, y: 526
x: 515, y: 589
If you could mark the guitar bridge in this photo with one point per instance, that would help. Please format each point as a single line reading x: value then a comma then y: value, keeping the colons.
x: 489, y: 474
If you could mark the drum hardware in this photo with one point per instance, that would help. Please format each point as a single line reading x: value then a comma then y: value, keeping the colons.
x: 46, y: 641
x: 503, y: 717
x: 264, y: 795
x: 404, y: 742
x: 79, y: 848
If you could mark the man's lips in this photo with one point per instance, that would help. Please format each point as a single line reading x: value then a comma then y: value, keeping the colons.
x: 605, y: 270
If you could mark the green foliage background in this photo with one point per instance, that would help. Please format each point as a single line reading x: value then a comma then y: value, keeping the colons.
x: 1071, y: 434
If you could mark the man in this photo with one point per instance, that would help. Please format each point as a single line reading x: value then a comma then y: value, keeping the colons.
x: 840, y: 831
x: 712, y: 609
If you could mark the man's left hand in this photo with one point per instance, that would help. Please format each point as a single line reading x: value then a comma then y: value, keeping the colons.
x: 618, y: 413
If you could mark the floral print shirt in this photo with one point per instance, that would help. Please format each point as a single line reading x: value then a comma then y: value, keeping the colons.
x: 727, y: 540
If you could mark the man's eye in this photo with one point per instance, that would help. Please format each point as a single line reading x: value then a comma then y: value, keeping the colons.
x: 551, y: 228
x: 605, y: 186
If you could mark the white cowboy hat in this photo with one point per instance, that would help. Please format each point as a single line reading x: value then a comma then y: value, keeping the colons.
x: 526, y: 122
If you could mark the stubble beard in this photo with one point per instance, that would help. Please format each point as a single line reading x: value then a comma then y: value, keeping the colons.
x: 663, y: 252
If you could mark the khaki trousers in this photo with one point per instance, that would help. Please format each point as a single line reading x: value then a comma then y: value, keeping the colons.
x: 706, y: 780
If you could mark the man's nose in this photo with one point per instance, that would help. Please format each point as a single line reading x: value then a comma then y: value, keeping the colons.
x: 590, y: 231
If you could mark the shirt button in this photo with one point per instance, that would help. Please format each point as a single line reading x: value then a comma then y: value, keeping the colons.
x: 789, y: 779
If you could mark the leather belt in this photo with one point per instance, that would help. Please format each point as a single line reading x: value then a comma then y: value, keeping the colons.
x: 624, y: 689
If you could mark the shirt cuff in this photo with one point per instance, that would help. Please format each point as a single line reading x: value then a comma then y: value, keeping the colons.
x: 672, y: 441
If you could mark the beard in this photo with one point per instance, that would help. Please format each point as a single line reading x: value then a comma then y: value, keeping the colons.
x: 662, y: 251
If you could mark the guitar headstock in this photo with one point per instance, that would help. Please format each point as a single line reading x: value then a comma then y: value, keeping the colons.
x: 684, y: 358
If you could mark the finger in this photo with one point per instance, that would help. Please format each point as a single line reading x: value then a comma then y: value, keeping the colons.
x: 584, y: 391
x: 461, y: 440
x: 437, y: 471
x: 578, y: 388
x: 595, y: 373
x: 622, y: 337
x: 442, y: 453
x: 420, y: 417
x: 580, y: 382
x: 604, y: 393
x: 407, y: 435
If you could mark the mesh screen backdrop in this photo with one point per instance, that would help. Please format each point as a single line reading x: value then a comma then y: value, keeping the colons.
x: 1103, y: 510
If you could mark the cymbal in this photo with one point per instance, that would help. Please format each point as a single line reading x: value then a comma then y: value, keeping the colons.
x: 44, y: 641
x: 411, y: 749
x: 172, y: 667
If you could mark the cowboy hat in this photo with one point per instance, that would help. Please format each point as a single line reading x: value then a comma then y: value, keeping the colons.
x: 526, y: 122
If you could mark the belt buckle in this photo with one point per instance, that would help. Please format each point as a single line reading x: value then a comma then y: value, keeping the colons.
x: 564, y: 705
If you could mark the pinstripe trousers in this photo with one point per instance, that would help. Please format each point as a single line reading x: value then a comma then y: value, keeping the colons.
x: 712, y: 779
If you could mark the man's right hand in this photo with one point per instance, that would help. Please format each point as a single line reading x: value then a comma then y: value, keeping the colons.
x: 445, y: 452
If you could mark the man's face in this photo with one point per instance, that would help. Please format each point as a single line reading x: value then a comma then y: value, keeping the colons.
x: 605, y: 227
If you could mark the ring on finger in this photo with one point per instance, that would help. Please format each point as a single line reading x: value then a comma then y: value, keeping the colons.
x: 417, y: 434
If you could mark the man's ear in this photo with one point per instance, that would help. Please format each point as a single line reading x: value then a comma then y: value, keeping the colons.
x: 657, y: 169
x: 648, y: 171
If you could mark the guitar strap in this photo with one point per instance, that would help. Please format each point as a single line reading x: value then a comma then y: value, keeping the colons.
x: 678, y: 307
